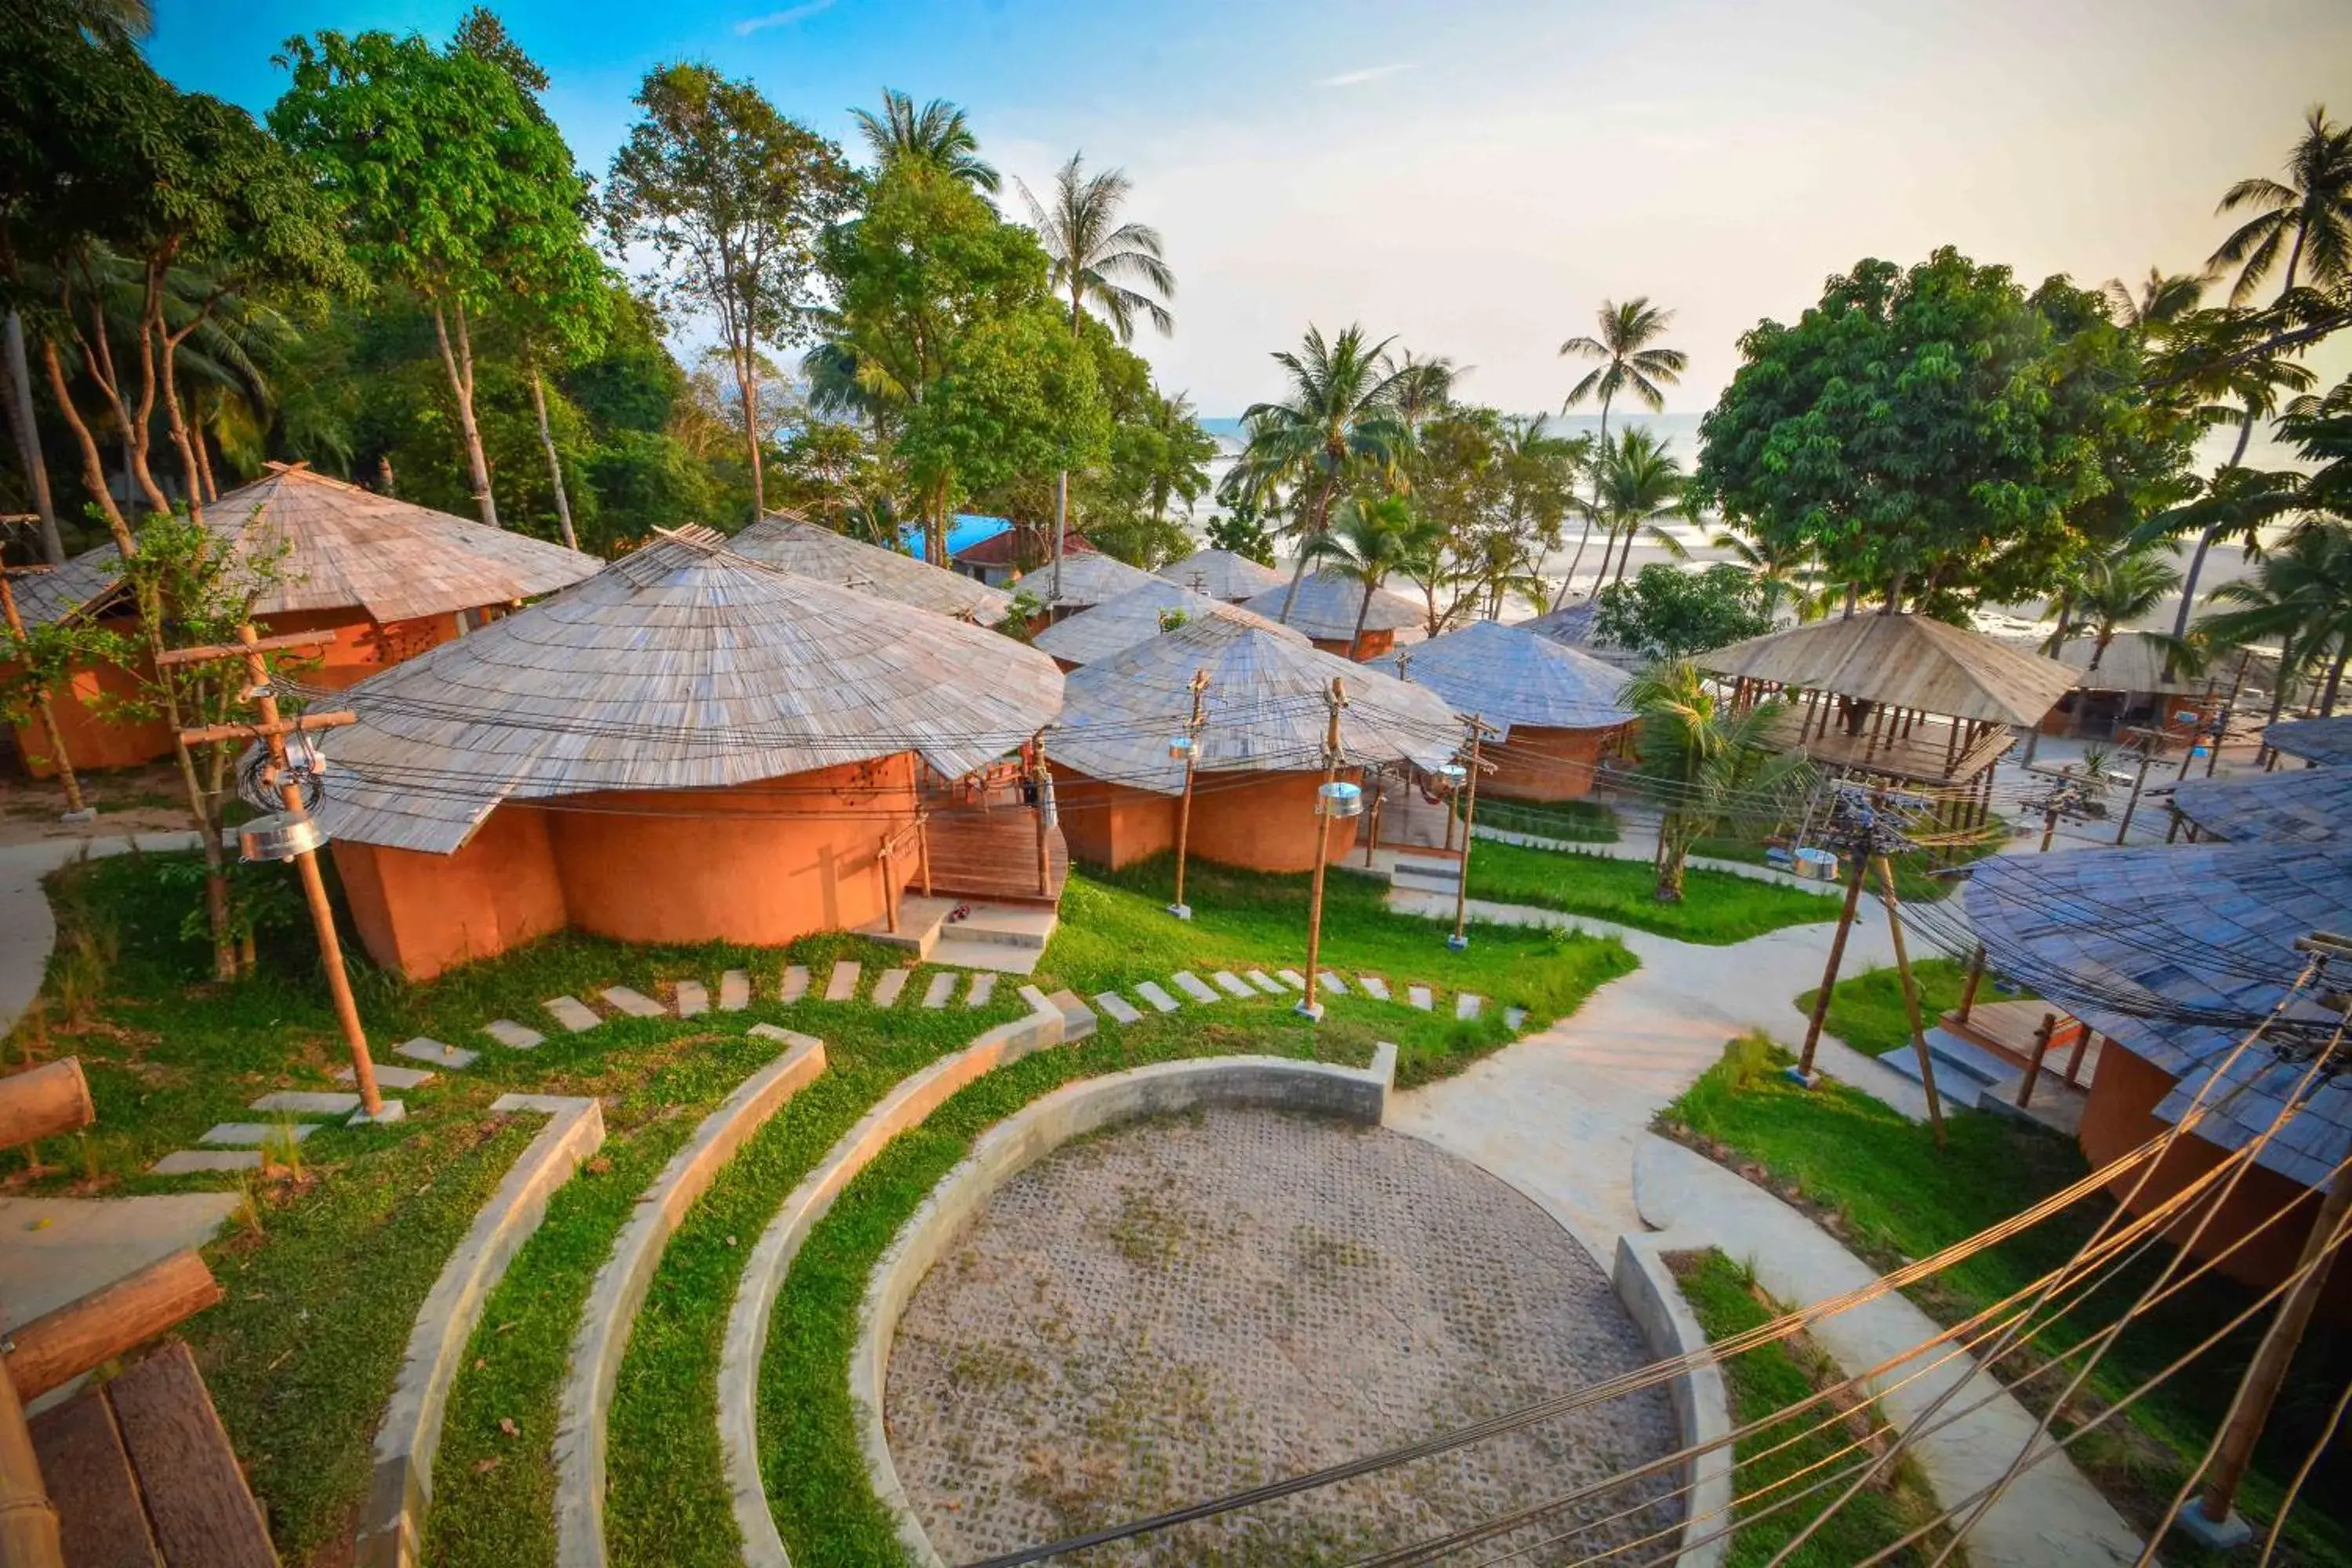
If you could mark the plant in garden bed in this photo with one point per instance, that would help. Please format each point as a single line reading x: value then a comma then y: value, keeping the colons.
x: 1718, y: 907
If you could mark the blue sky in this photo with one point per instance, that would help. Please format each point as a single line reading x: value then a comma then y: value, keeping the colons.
x: 1477, y: 177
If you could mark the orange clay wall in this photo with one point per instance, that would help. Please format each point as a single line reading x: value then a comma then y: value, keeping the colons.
x: 361, y: 647
x: 1262, y: 822
x: 1376, y: 641
x: 760, y: 864
x: 2120, y: 1115
x: 91, y: 740
x: 1112, y: 825
x: 1538, y: 764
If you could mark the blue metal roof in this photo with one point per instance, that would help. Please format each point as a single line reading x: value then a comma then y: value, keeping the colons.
x: 2328, y: 741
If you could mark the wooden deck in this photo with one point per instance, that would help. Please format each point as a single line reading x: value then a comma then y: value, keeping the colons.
x: 2006, y: 1029
x: 1927, y: 754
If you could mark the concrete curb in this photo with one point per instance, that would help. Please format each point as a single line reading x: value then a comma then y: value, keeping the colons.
x: 391, y: 1524
x: 1350, y: 1094
x: 619, y: 1291
x: 906, y: 1105
x: 1701, y: 1400
x: 28, y: 928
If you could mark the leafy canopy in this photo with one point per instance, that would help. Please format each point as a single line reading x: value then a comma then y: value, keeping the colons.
x: 1666, y: 613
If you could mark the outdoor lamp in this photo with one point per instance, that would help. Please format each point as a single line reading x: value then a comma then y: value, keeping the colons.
x: 1340, y: 800
x: 1453, y: 774
x: 1182, y: 748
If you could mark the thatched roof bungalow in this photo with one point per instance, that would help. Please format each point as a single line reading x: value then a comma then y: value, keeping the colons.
x: 1144, y: 611
x: 390, y: 578
x: 1087, y: 580
x: 1556, y: 710
x: 810, y: 550
x: 1260, y: 746
x: 1326, y: 607
x: 691, y: 746
x: 2137, y: 684
x: 1223, y: 574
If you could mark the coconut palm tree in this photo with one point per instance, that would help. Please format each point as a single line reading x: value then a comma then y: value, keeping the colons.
x: 937, y: 134
x: 2119, y: 586
x: 1707, y: 769
x: 1368, y: 540
x: 2300, y: 594
x: 2161, y: 301
x: 1640, y: 484
x: 2308, y: 215
x: 1632, y: 363
x: 1785, y: 572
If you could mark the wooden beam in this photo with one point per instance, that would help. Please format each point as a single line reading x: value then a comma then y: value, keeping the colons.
x: 212, y: 733
x: 44, y: 1102
x: 210, y: 652
x: 60, y: 1346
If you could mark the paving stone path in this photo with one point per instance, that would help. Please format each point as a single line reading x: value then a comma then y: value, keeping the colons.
x: 796, y: 983
x: 1193, y: 985
x: 1151, y: 992
x: 1513, y: 1017
x: 887, y: 989
x: 734, y: 991
x: 389, y: 1075
x: 571, y: 1012
x: 983, y: 986
x: 1333, y: 984
x: 1292, y: 978
x: 636, y: 1003
x: 1374, y: 986
x: 1420, y: 997
x: 1233, y: 984
x: 942, y: 986
x: 1265, y: 982
x: 198, y: 1162
x: 1466, y: 1004
x: 842, y: 984
x: 511, y: 1035
x: 1119, y: 1007
x: 693, y: 999
x: 307, y: 1102
x: 254, y: 1134
x: 452, y: 1059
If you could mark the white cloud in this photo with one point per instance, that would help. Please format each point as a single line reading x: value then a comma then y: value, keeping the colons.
x: 1358, y: 77
x: 783, y: 18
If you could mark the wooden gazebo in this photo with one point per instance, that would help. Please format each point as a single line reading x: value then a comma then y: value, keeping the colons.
x: 808, y: 550
x: 2136, y: 683
x: 1223, y: 574
x: 1326, y: 607
x: 1142, y: 612
x: 1552, y: 712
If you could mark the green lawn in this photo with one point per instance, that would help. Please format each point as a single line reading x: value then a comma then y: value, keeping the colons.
x: 1915, y: 878
x: 1717, y: 906
x: 1897, y: 1196
x: 1574, y: 821
x: 1769, y: 1379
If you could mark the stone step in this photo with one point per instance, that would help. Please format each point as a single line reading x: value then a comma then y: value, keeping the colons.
x: 1077, y: 1018
x: 1420, y: 997
x: 1435, y: 865
x: 307, y: 1103
x: 388, y: 1075
x: 1152, y: 992
x: 942, y: 986
x: 1292, y: 978
x: 887, y: 988
x: 734, y: 991
x: 254, y: 1134
x: 1374, y: 986
x: 1265, y: 982
x: 636, y: 1003
x: 796, y: 983
x: 452, y: 1059
x: 1514, y: 1018
x: 1466, y: 1004
x: 1952, y: 1050
x: 1193, y: 985
x: 1119, y: 1007
x: 984, y: 988
x: 1333, y: 984
x: 1233, y: 984
x: 693, y: 999
x: 511, y: 1035
x: 841, y: 986
x: 571, y: 1012
x: 195, y: 1162
x: 1957, y: 1088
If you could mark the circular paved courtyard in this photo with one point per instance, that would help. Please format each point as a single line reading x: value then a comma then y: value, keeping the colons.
x: 1181, y: 1308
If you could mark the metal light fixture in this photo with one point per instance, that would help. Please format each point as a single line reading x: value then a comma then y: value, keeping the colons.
x: 280, y: 836
x: 1453, y: 774
x: 1182, y: 748
x: 1340, y: 799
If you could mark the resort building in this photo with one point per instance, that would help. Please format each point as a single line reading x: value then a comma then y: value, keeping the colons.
x: 1326, y: 607
x: 1223, y: 574
x: 389, y: 578
x: 810, y: 550
x: 1574, y: 625
x: 1087, y: 579
x: 2134, y: 684
x: 2322, y: 742
x: 1002, y: 553
x: 2307, y: 805
x: 691, y: 746
x: 1143, y: 612
x: 1552, y: 712
x: 1120, y: 784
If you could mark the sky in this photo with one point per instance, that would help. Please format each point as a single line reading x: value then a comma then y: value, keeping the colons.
x: 1475, y: 178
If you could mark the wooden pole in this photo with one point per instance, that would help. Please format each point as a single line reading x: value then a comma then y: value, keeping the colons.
x: 28, y: 1525
x: 45, y: 713
x: 1338, y: 699
x: 60, y: 1346
x: 2041, y: 1039
x: 46, y: 1100
x: 1461, y: 938
x: 1911, y: 999
x: 923, y: 847
x: 1804, y: 1069
x: 1976, y: 978
x: 2139, y: 783
x: 1179, y: 909
x: 1045, y: 854
x: 2081, y: 1048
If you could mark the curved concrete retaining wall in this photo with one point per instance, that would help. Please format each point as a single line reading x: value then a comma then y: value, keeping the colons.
x: 915, y: 1097
x: 1701, y: 1403
x: 1351, y: 1094
x: 402, y: 1487
x: 619, y: 1291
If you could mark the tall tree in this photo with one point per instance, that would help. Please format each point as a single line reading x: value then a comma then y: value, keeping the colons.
x: 937, y: 133
x: 1641, y: 486
x: 2301, y: 595
x: 732, y: 196
x: 2118, y: 586
x: 1633, y: 363
x: 1368, y: 540
x: 1707, y: 767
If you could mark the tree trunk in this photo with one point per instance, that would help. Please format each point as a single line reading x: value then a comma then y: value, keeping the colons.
x: 190, y: 473
x: 2066, y: 616
x: 1061, y: 530
x: 99, y: 364
x: 459, y: 363
x: 204, y: 462
x: 747, y: 383
x: 1298, y: 568
x: 1574, y: 561
x: 29, y: 441
x: 1633, y: 531
x: 554, y: 463
x: 1363, y: 613
x: 1600, y: 458
x: 94, y: 462
x: 2099, y: 648
x: 2335, y: 681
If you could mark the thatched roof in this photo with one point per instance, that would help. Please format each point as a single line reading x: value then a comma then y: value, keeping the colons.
x: 2172, y: 951
x: 2134, y: 661
x: 2328, y: 741
x: 317, y: 543
x: 1907, y: 661
x: 2309, y: 806
x: 1509, y: 674
x: 809, y: 550
x: 1327, y: 603
x: 1264, y: 706
x: 1087, y: 580
x: 684, y: 666
x: 1117, y: 624
x: 1221, y: 574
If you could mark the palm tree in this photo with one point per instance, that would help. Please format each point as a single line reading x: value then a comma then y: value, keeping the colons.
x: 937, y: 134
x: 2161, y: 301
x: 1094, y: 258
x: 2302, y: 594
x: 1640, y: 484
x: 1341, y: 417
x: 1369, y: 539
x: 1706, y: 768
x: 1786, y: 571
x: 1631, y: 363
x: 2118, y: 586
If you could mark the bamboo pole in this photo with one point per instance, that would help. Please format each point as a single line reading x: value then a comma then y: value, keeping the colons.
x: 1179, y: 909
x: 1976, y: 978
x: 1338, y: 699
x: 2041, y: 1039
x: 1044, y: 853
x: 28, y: 1524
x: 1804, y: 1071
x: 58, y: 1346
x: 44, y: 1102
x: 1460, y: 939
x: 1911, y: 999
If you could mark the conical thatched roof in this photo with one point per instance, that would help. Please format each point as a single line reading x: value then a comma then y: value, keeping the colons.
x: 1221, y: 574
x: 1571, y: 623
x: 808, y: 550
x: 1264, y: 705
x: 684, y: 666
x: 1087, y: 580
x: 1117, y: 624
x: 1509, y: 674
x: 2136, y: 661
x: 2310, y: 805
x: 2328, y: 741
x: 1327, y: 603
x: 1906, y: 661
x: 317, y: 543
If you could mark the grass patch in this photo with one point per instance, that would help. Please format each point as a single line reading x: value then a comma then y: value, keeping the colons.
x: 1717, y: 906
x: 1572, y: 821
x: 1867, y: 1013
x: 1890, y: 1193
x: 1726, y: 1300
x: 1915, y: 876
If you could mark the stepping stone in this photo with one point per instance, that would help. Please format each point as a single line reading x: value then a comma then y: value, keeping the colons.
x: 1160, y: 1001
x: 1334, y: 985
x: 1118, y: 1006
x: 253, y: 1134
x: 511, y: 1035
x: 941, y: 987
x: 1374, y: 986
x: 1467, y: 1004
x: 190, y: 1162
x: 304, y: 1103
x: 571, y: 1012
x: 1292, y: 978
x: 782, y: 1036
x: 842, y: 984
x: 796, y: 982
x: 887, y: 989
x: 693, y: 999
x: 1513, y: 1017
x: 734, y: 991
x: 1193, y: 985
x: 983, y: 986
x: 1265, y: 982
x: 1232, y: 984
x: 1420, y: 997
x: 636, y: 1003
x: 388, y: 1076
x: 457, y: 1059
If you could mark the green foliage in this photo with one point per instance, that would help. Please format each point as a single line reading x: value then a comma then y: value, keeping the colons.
x: 1241, y: 530
x: 1708, y: 768
x: 1019, y: 396
x: 1668, y: 615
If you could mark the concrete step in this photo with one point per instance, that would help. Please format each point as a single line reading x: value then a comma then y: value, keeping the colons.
x: 1077, y: 1018
x: 1193, y: 985
x: 954, y: 952
x: 1426, y: 865
x: 1412, y: 881
x: 1967, y: 1057
x: 1960, y: 1089
x: 1120, y: 1009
